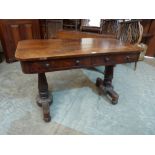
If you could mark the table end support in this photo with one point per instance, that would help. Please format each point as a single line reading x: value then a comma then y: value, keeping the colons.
x: 44, y: 100
x: 106, y: 84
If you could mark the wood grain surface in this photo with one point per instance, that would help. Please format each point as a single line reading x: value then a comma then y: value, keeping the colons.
x: 62, y: 48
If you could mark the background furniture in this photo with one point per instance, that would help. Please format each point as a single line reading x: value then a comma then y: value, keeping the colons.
x: 130, y: 31
x: 149, y: 36
x: 11, y: 31
x: 50, y: 27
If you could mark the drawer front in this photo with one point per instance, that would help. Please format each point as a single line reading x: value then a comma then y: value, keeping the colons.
x: 55, y: 64
x: 127, y: 58
x: 71, y: 63
x: 114, y: 59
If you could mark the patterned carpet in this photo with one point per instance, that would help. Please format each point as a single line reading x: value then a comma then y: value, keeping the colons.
x: 77, y: 107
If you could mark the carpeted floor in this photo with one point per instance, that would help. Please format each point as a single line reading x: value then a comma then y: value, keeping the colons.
x: 77, y: 107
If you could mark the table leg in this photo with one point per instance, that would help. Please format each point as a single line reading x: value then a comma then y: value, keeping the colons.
x: 106, y: 84
x: 43, y: 99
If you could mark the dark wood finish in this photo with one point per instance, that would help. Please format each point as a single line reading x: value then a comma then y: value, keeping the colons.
x: 40, y: 56
x: 0, y: 52
x: 77, y: 62
x: 106, y: 84
x: 43, y: 29
x: 151, y: 41
x: 146, y: 23
x: 43, y: 98
x: 13, y: 30
x: 149, y: 36
x: 64, y: 48
x: 1, y: 57
x: 63, y: 34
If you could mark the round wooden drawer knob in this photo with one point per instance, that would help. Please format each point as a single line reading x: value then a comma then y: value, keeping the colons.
x: 107, y: 59
x: 128, y: 58
x: 47, y: 64
x: 77, y: 62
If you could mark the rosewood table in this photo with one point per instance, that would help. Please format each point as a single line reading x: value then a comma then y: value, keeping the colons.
x: 41, y: 56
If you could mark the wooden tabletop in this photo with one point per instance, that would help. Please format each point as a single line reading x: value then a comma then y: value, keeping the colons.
x: 59, y: 48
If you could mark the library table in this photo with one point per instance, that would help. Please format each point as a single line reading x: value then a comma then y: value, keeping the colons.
x: 41, y: 56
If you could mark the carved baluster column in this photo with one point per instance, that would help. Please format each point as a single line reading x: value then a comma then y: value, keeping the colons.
x: 43, y: 98
x: 106, y: 84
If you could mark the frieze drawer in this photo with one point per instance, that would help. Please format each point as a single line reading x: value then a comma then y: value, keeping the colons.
x: 55, y: 64
x: 114, y: 59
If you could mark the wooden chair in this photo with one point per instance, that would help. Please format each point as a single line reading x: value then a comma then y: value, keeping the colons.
x: 109, y: 26
x: 128, y: 31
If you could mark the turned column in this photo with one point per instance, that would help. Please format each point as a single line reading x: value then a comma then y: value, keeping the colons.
x: 43, y: 99
x: 106, y: 84
x: 108, y: 76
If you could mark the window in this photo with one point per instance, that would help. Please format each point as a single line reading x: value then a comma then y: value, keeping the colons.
x: 94, y: 22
